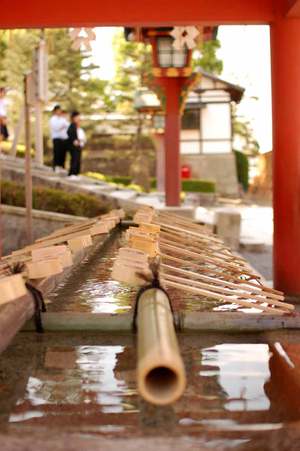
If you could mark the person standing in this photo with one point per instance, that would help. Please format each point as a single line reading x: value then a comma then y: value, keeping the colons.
x: 64, y: 137
x: 58, y: 128
x: 3, y: 113
x: 77, y: 141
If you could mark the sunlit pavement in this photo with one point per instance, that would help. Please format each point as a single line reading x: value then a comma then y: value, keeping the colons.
x: 256, y: 227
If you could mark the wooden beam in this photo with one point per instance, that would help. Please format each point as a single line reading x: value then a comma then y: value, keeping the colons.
x: 237, y: 322
x: 33, y: 14
x: 292, y: 8
x: 186, y: 321
x: 76, y: 321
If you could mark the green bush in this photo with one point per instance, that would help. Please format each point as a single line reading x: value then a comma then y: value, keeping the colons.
x: 242, y: 167
x: 153, y: 183
x: 55, y: 200
x: 198, y: 186
x: 188, y: 185
x: 123, y: 179
x: 97, y: 176
x: 192, y: 185
x: 20, y: 150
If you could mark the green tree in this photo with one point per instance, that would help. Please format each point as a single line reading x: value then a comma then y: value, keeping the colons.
x: 133, y: 64
x: 243, y: 130
x: 71, y: 75
x: 206, y: 57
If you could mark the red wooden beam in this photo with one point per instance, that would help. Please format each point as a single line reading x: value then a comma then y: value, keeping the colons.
x: 292, y: 8
x: 285, y: 41
x: 37, y: 14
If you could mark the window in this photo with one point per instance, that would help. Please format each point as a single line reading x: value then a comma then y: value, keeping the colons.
x: 190, y: 120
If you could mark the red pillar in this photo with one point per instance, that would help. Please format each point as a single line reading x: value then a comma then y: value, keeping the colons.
x: 285, y: 46
x: 173, y: 88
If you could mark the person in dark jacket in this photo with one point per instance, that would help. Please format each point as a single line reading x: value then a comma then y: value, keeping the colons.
x: 76, y: 144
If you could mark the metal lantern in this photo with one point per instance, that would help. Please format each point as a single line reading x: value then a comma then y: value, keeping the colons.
x: 168, y: 55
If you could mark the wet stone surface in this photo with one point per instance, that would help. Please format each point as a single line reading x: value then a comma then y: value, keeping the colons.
x: 86, y: 384
x: 90, y: 288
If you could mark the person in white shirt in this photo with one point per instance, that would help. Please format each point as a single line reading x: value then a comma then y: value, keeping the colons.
x: 58, y: 128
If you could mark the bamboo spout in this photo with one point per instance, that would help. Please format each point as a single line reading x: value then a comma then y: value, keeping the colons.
x: 160, y: 371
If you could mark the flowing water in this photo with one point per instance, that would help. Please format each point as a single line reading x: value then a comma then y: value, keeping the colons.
x: 242, y: 390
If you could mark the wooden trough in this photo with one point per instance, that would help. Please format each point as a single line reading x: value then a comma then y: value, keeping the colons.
x: 167, y: 253
x: 44, y: 265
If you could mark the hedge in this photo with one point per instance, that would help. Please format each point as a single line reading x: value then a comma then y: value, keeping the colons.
x: 55, y: 200
x: 198, y: 186
x: 242, y: 167
x: 188, y: 185
x: 193, y: 185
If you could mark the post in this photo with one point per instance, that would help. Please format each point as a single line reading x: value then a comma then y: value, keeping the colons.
x: 158, y: 139
x: 39, y: 145
x: 40, y: 78
x: 28, y: 177
x: 17, y: 133
x: 172, y: 142
x: 1, y: 212
x: 285, y: 42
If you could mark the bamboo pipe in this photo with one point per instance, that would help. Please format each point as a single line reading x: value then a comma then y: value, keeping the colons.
x: 160, y: 370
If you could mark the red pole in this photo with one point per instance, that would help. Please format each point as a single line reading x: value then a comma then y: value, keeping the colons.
x: 173, y: 88
x: 285, y: 42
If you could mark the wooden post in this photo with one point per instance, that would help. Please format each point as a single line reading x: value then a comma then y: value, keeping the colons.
x: 285, y: 41
x: 39, y: 145
x: 1, y: 213
x: 40, y: 78
x: 28, y: 177
x: 17, y: 133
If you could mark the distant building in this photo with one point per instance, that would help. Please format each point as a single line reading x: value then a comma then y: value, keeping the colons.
x: 206, y: 134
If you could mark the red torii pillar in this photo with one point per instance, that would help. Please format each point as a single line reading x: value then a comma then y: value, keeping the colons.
x: 173, y: 89
x: 285, y: 48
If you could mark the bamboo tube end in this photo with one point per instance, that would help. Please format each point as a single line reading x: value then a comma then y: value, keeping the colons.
x: 162, y: 384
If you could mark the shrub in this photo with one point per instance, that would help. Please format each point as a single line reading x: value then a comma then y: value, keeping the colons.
x: 97, y: 176
x: 118, y: 179
x: 242, y: 167
x: 123, y: 179
x: 188, y: 185
x: 6, y: 148
x: 198, y: 186
x: 55, y: 200
x: 153, y: 183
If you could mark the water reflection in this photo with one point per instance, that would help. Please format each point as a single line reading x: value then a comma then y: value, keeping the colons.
x: 90, y: 287
x: 241, y: 371
x: 234, y: 391
x: 78, y: 384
